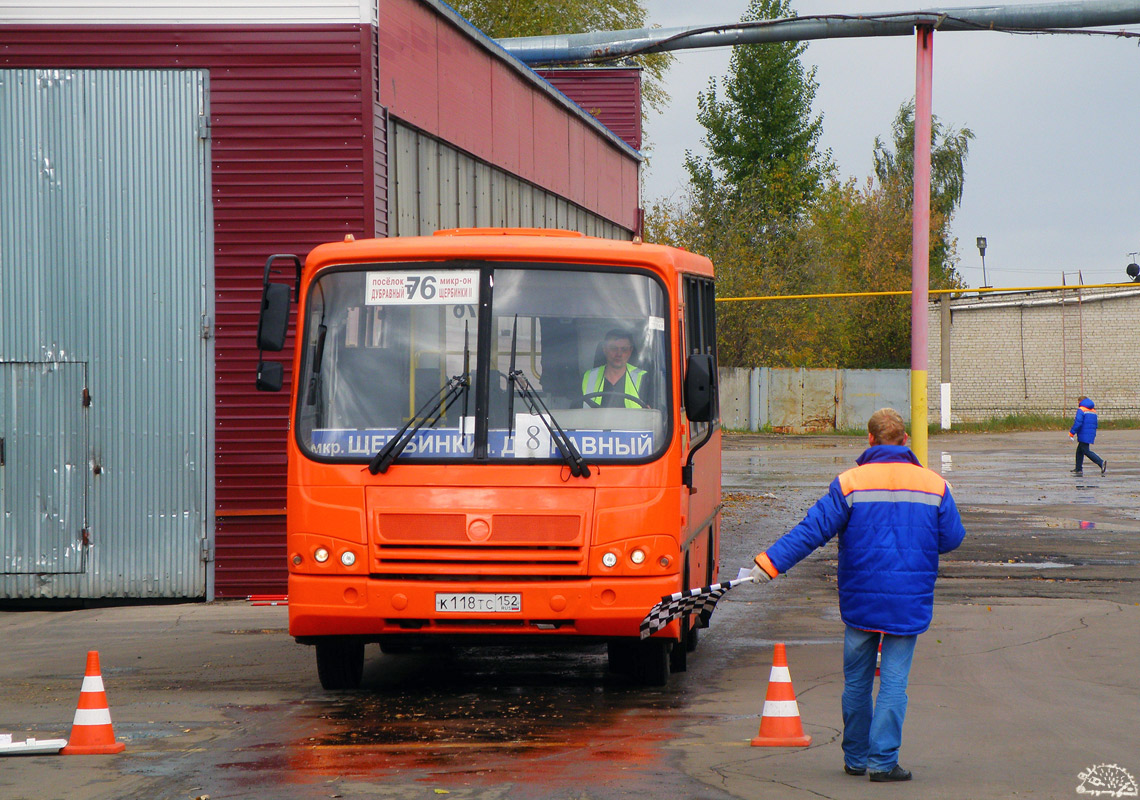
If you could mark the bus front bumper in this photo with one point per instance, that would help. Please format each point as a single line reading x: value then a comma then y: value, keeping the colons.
x: 360, y: 606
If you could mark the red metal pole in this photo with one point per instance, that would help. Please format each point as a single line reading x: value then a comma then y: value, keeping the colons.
x: 920, y: 241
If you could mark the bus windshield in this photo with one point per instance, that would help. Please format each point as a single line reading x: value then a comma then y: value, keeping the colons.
x: 429, y: 349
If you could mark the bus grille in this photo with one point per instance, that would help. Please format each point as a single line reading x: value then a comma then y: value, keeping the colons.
x: 506, y: 543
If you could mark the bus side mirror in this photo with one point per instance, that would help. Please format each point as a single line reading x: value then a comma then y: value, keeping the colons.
x: 700, y: 388
x: 270, y: 376
x: 273, y: 324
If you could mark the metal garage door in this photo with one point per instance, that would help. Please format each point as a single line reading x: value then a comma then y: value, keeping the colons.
x: 43, y: 477
x: 106, y: 360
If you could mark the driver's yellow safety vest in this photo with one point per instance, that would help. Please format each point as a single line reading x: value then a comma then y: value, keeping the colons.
x: 595, y: 381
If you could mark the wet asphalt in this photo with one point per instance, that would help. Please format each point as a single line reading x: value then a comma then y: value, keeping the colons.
x: 215, y: 699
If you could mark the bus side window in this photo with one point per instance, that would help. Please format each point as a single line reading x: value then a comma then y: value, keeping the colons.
x: 700, y: 329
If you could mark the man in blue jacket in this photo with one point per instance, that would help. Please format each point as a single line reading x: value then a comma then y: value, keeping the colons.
x: 894, y: 518
x: 1084, y: 431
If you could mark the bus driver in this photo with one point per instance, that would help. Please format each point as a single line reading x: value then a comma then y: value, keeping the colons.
x: 617, y: 383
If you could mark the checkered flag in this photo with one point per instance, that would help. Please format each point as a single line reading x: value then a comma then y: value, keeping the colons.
x: 690, y: 601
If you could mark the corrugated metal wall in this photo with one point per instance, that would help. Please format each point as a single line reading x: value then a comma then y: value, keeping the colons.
x: 611, y: 95
x: 433, y: 186
x: 43, y: 474
x: 157, y: 12
x: 105, y: 259
x: 291, y: 109
x: 449, y: 81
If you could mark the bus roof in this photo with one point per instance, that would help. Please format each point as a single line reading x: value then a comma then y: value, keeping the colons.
x: 509, y: 244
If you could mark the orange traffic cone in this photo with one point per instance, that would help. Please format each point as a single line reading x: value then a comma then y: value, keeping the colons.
x: 91, y: 732
x: 780, y: 723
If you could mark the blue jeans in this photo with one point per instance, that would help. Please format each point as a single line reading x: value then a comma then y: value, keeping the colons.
x: 1085, y: 449
x: 871, y: 737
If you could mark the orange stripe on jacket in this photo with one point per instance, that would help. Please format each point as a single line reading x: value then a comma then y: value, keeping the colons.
x: 891, y: 476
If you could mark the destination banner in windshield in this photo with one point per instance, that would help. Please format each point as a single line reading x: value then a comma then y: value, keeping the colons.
x: 423, y: 287
x: 452, y: 443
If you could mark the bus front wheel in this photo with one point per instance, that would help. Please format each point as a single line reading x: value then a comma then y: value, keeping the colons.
x: 340, y: 664
x: 652, y: 665
x: 646, y: 662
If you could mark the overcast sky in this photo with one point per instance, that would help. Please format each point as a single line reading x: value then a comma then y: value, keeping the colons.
x: 1053, y: 175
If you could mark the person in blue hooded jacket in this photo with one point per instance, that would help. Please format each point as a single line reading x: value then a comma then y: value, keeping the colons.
x: 893, y: 518
x: 1084, y: 431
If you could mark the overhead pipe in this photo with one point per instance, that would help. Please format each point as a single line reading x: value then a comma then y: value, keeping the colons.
x: 608, y: 45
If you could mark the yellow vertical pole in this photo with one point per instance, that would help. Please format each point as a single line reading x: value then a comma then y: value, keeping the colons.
x: 918, y: 406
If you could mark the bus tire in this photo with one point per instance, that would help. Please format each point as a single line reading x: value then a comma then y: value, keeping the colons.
x: 622, y: 656
x: 651, y: 667
x: 679, y: 654
x: 340, y: 664
x: 679, y: 657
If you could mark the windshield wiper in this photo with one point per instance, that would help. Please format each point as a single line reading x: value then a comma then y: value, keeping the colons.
x: 429, y: 414
x: 570, y: 454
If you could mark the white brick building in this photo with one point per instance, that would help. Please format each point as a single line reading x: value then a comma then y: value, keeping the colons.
x: 1037, y: 353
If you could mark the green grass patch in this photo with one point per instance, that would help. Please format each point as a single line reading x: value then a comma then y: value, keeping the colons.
x: 1007, y: 424
x: 1012, y: 423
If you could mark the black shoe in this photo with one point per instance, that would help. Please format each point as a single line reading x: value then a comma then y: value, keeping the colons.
x: 1103, y: 467
x: 897, y: 773
x: 854, y: 771
x: 1076, y: 472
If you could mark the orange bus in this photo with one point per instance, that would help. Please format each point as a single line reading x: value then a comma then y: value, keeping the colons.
x: 497, y: 436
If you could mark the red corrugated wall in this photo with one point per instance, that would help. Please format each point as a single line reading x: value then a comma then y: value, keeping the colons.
x: 291, y: 116
x: 611, y: 95
x: 436, y: 80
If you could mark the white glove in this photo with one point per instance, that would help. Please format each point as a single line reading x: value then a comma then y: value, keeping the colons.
x: 759, y: 575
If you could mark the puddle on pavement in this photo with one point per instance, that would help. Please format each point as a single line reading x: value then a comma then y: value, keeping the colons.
x: 475, y: 716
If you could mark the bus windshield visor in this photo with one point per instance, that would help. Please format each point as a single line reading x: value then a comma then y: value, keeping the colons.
x: 380, y: 340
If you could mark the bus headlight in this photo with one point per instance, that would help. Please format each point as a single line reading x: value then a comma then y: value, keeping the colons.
x: 348, y: 558
x: 609, y: 559
x: 637, y: 556
x: 321, y: 555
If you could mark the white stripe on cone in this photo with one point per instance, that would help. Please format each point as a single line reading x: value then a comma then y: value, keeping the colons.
x: 92, y: 716
x: 781, y: 708
x: 92, y: 683
x: 780, y: 675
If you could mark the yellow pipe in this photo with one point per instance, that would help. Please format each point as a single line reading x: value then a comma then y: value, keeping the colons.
x: 907, y: 292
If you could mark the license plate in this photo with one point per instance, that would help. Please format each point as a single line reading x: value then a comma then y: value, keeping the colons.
x: 478, y: 603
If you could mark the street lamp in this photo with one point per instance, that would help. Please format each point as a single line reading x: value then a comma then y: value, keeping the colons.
x: 1133, y: 269
x: 982, y: 250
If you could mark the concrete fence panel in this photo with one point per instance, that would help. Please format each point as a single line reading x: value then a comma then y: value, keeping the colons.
x: 861, y: 392
x: 785, y: 399
x: 803, y: 400
x: 735, y: 384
